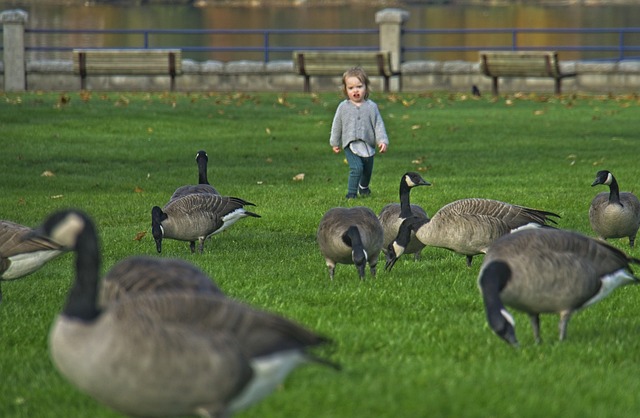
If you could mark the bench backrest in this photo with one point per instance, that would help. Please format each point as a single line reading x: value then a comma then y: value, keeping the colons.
x: 337, y: 62
x: 127, y: 61
x: 520, y: 63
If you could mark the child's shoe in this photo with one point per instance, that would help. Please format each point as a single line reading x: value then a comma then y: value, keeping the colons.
x: 364, y: 191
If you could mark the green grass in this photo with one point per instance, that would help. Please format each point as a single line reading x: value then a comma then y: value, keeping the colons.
x: 413, y: 342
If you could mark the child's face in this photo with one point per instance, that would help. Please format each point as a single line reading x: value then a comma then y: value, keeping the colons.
x: 355, y: 89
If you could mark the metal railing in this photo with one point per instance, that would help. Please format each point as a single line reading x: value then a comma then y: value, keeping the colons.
x: 611, y: 44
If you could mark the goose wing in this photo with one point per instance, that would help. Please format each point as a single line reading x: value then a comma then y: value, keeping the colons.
x: 13, y: 242
x: 513, y: 215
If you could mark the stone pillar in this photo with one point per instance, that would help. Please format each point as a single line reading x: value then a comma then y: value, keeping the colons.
x: 13, y: 22
x: 391, y: 22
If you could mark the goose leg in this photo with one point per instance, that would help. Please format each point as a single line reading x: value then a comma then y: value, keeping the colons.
x: 535, y: 325
x: 632, y: 240
x: 192, y: 246
x: 564, y: 320
x: 373, y: 269
x: 469, y: 260
x: 332, y: 270
x: 416, y: 256
x: 201, y: 242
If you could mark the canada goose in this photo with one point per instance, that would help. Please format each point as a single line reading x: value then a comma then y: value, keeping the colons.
x: 466, y: 226
x: 615, y: 214
x: 350, y: 236
x: 203, y: 185
x: 392, y: 215
x: 196, y: 217
x: 166, y: 354
x: 548, y: 270
x: 20, y: 256
x: 152, y: 274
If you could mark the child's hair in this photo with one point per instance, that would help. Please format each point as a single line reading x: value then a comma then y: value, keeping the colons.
x: 360, y: 75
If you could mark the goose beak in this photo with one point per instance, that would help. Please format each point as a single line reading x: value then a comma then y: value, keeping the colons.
x: 361, y: 270
x: 391, y: 260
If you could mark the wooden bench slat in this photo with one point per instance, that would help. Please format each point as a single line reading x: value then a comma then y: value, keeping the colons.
x: 335, y: 63
x: 497, y: 64
x: 127, y: 62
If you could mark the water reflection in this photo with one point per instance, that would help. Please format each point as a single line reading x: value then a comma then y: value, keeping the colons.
x: 103, y: 16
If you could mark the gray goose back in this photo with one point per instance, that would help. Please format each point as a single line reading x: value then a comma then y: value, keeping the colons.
x: 615, y: 214
x: 142, y: 274
x: 163, y: 354
x: 548, y: 270
x: 337, y: 247
x: 468, y: 226
x: 392, y: 214
x: 195, y: 217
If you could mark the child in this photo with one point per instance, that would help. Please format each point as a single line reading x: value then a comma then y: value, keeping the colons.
x: 357, y: 128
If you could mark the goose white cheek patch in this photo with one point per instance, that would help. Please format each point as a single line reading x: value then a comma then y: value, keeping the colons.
x: 508, y: 317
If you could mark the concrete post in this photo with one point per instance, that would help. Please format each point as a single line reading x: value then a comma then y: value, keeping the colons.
x: 13, y: 22
x: 391, y: 22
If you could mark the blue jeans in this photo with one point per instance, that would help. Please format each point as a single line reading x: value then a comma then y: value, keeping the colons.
x: 360, y: 170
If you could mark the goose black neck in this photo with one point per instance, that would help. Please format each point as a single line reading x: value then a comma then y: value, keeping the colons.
x: 202, y: 171
x: 82, y: 300
x: 614, y: 191
x: 493, y: 279
x: 405, y: 200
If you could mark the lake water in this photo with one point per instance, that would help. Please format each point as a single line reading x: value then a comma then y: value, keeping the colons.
x: 104, y: 16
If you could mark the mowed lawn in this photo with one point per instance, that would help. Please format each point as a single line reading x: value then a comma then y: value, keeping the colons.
x: 413, y: 342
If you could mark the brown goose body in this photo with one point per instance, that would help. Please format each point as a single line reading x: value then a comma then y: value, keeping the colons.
x: 468, y: 226
x: 172, y: 353
x: 195, y: 217
x: 392, y: 214
x: 615, y: 214
x: 548, y: 270
x: 350, y: 236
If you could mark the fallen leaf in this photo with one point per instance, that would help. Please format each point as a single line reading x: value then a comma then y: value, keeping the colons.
x: 138, y: 189
x: 139, y: 235
x: 298, y: 177
x: 57, y: 196
x: 47, y: 173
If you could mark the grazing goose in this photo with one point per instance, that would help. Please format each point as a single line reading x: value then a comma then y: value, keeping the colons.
x: 166, y: 354
x: 615, y: 214
x: 466, y: 226
x: 152, y: 274
x: 20, y: 256
x: 195, y: 217
x: 392, y: 215
x: 203, y: 185
x: 548, y: 270
x: 350, y: 236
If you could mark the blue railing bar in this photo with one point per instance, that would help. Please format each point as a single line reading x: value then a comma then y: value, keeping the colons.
x: 521, y: 30
x: 206, y: 31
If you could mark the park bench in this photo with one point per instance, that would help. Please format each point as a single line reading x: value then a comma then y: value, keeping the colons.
x: 496, y: 64
x: 127, y: 62
x: 335, y: 63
